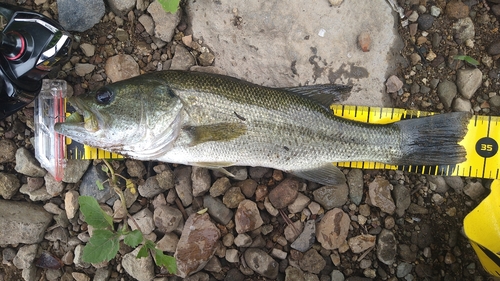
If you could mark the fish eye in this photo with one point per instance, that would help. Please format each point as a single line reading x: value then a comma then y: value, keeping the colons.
x: 104, y: 96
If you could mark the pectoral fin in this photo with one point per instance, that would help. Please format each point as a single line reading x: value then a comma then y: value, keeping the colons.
x: 215, y: 132
x: 327, y: 174
x: 216, y: 166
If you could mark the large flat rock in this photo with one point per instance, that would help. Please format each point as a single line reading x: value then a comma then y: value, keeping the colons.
x: 291, y: 43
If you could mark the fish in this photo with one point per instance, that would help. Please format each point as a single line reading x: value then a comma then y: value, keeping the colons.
x: 216, y: 121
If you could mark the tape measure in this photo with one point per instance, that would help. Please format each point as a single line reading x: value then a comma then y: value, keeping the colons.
x: 480, y: 142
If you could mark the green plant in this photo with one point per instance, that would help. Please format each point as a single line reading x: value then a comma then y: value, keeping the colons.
x: 105, y: 240
x: 467, y: 59
x: 170, y: 6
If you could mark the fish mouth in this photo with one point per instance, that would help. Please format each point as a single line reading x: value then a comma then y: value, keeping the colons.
x: 82, y: 120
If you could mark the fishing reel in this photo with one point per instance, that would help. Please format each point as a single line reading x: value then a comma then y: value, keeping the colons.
x: 30, y: 46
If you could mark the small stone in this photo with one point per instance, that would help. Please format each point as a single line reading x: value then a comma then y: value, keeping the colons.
x: 393, y: 84
x: 9, y: 185
x: 141, y: 269
x: 335, y: 3
x: 447, y: 91
x: 261, y: 192
x: 8, y: 150
x: 71, y: 203
x: 233, y: 197
x: 457, y: 10
x: 415, y: 58
x: 25, y: 256
x: 232, y: 255
x: 314, y: 208
x: 461, y: 104
x: 468, y: 81
x: 213, y: 265
x: 220, y: 186
x: 337, y: 275
x: 26, y: 164
x: 258, y: 173
x: 386, y: 247
x: 150, y: 188
x: 438, y: 199
x: 135, y: 168
x: 270, y: 208
x: 379, y: 192
x: 80, y: 276
x: 164, y: 22
x: 425, y: 21
x: 121, y: 67
x: 22, y: 222
x: 87, y: 49
x: 168, y: 243
x: 332, y: 230
x: 243, y: 240
x: 182, y: 59
x: 206, y: 58
x: 247, y: 217
x: 299, y: 204
x: 200, y: 178
x: 332, y: 196
x: 355, y: 182
x: 262, y: 263
x: 197, y: 244
x: 248, y: 187
x: 293, y: 230
x: 403, y: 269
x: 183, y: 187
x: 464, y: 29
x: 417, y: 209
x: 494, y: 49
x: 144, y: 218
x: 456, y: 183
x: 402, y: 198
x: 217, y: 210
x: 82, y: 69
x: 148, y: 23
x: 435, y: 11
x: 364, y: 41
x: 167, y: 218
x: 312, y: 262
x: 74, y: 171
x: 306, y: 238
x: 284, y: 193
x: 361, y: 243
x: 413, y: 17
x: 474, y: 190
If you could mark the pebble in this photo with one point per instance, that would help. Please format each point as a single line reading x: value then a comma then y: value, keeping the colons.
x: 53, y: 187
x: 74, y: 170
x: 312, y: 262
x: 9, y: 185
x: 80, y: 276
x: 121, y: 67
x: 306, y: 238
x: 164, y: 22
x: 455, y: 182
x: 284, y: 193
x: 262, y: 263
x: 166, y: 218
x: 217, y: 210
x: 232, y: 255
x: 8, y: 150
x: 468, y: 81
x: 337, y: 275
x: 403, y: 269
x: 141, y: 269
x: 168, y: 243
x: 386, y: 247
x: 233, y: 197
x: 393, y: 84
x: 406, y: 253
x: 148, y: 23
x: 413, y: 17
x: 425, y: 22
x: 435, y: 11
x: 494, y: 49
x: 379, y: 192
x: 336, y: 3
x: 293, y: 230
x: 82, y: 69
x: 437, y: 184
x: 200, y: 178
x: 243, y: 240
x: 197, y: 244
x: 270, y: 208
x: 25, y: 256
x: 464, y: 29
x: 355, y: 182
x: 26, y: 164
x: 87, y: 49
x: 460, y: 104
x: 331, y: 196
x: 447, y: 91
x: 40, y: 194
x: 247, y: 217
x: 279, y: 254
x: 182, y: 59
x: 88, y: 185
x: 234, y: 275
x: 299, y: 204
x: 364, y: 41
x: 257, y: 173
x: 248, y: 187
x: 71, y: 203
x: 121, y: 7
x: 332, y: 230
x: 220, y: 186
x: 474, y: 190
x: 206, y: 58
x: 413, y: 29
x: 182, y: 176
x: 361, y: 243
x: 79, y: 15
x: 135, y: 168
x: 457, y: 10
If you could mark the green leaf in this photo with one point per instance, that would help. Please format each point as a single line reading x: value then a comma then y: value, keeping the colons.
x: 133, y: 238
x: 102, y: 246
x: 170, y: 6
x: 93, y: 213
x: 104, y: 168
x: 164, y: 260
x: 471, y: 61
x: 99, y: 184
x: 143, y: 252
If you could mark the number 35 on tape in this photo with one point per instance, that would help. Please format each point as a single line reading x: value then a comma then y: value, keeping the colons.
x: 480, y: 142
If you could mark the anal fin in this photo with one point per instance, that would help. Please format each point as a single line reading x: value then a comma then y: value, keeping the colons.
x: 327, y: 174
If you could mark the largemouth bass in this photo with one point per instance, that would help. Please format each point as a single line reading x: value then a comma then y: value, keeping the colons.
x: 216, y: 121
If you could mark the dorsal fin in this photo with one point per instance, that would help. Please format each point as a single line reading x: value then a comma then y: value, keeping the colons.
x: 325, y: 94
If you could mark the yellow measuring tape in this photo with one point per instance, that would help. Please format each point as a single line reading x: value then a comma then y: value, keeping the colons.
x: 483, y: 160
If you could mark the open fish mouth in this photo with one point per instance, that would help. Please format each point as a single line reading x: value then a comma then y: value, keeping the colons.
x: 80, y: 120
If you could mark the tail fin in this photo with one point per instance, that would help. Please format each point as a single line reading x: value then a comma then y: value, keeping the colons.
x: 433, y: 140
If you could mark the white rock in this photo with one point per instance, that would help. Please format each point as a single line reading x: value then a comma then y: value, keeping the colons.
x: 232, y: 255
x: 87, y: 49
x: 144, y: 218
x: 141, y: 269
x: 468, y: 81
x: 71, y: 203
x: 299, y: 204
